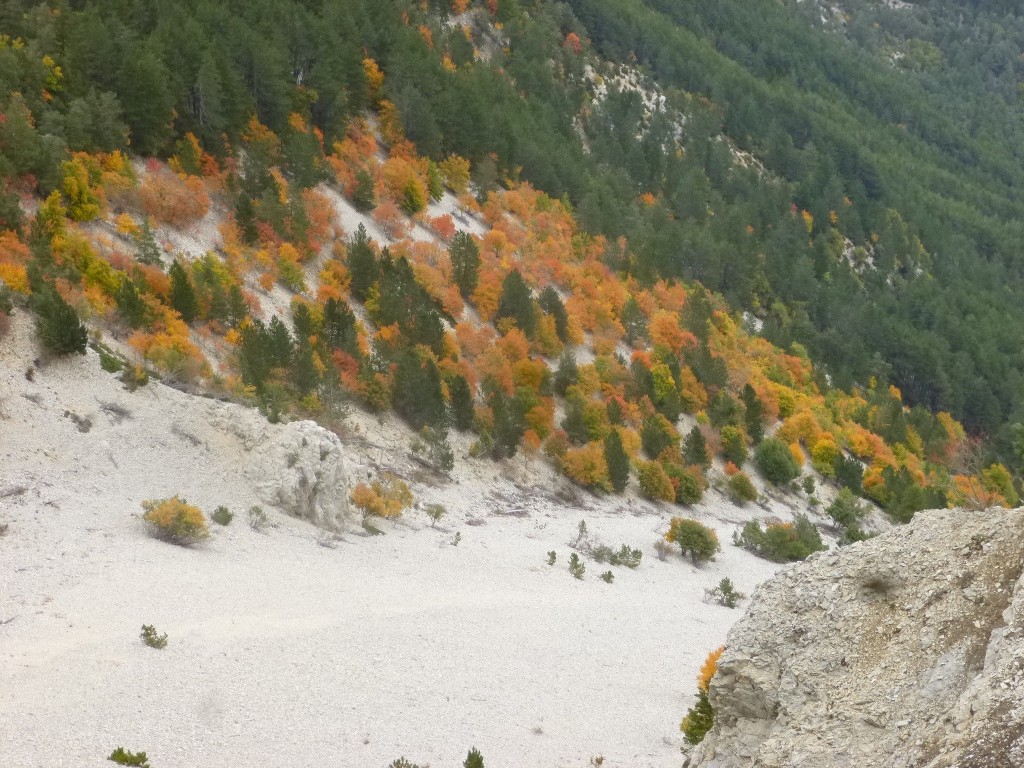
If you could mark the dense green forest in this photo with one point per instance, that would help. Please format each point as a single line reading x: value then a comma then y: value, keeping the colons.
x: 850, y: 180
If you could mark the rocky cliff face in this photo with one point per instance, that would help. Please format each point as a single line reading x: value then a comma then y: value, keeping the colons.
x: 906, y: 650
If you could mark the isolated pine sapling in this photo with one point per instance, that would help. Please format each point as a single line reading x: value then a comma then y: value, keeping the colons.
x: 473, y: 759
x: 152, y: 638
x: 457, y: 539
x: 608, y: 577
x: 222, y: 515
x: 576, y: 566
x: 724, y: 594
x: 552, y: 557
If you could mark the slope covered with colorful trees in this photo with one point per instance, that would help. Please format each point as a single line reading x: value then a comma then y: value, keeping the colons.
x: 497, y: 314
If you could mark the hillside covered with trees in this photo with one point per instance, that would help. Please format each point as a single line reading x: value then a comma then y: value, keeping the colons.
x: 657, y: 179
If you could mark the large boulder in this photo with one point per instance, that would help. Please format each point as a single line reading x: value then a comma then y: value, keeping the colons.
x: 905, y: 650
x: 300, y: 468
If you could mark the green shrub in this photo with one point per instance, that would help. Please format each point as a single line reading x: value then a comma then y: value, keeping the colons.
x: 625, y: 556
x: 688, y: 483
x: 724, y: 594
x: 122, y: 756
x: 58, y: 324
x: 576, y: 566
x: 734, y: 444
x: 402, y: 763
x: 608, y: 577
x: 473, y: 759
x: 654, y: 481
x: 258, y: 519
x: 152, y: 638
x: 781, y: 542
x: 175, y: 520
x: 693, y: 538
x: 435, y: 512
x: 698, y: 720
x: 775, y: 461
x: 552, y: 557
x: 741, y: 489
x: 222, y: 515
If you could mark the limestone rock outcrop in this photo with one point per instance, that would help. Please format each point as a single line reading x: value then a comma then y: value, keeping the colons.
x: 301, y: 470
x: 905, y: 650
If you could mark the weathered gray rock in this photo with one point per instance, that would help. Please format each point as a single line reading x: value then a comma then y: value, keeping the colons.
x: 906, y: 650
x: 301, y: 470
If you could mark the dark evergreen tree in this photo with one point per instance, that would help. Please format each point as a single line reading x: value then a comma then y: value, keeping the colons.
x: 517, y: 303
x: 474, y: 759
x: 364, y: 196
x: 305, y: 374
x: 753, y: 417
x: 130, y: 304
x: 461, y: 403
x: 183, y: 294
x: 656, y: 435
x: 238, y: 309
x: 279, y: 344
x: 617, y: 460
x: 633, y: 321
x: 146, y: 249
x: 551, y: 304
x: 574, y: 424
x: 57, y: 323
x: 339, y: 327
x: 695, y: 448
x: 464, y: 254
x: 362, y: 264
x: 567, y: 373
x: 416, y: 391
x: 509, y: 425
x: 724, y: 410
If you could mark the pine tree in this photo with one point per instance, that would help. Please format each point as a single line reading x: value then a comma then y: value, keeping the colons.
x: 435, y: 184
x: 574, y: 424
x: 461, y: 404
x: 183, y: 295
x: 130, y: 304
x: 57, y: 323
x: 362, y: 264
x: 364, y: 197
x: 517, y: 303
x: 633, y: 321
x: 551, y: 303
x: 339, y: 327
x: 474, y: 759
x: 238, y: 309
x: 753, y: 414
x: 617, y: 460
x: 416, y: 391
x: 146, y: 249
x: 305, y: 374
x: 464, y: 254
x: 567, y: 374
x: 695, y: 448
x: 279, y: 344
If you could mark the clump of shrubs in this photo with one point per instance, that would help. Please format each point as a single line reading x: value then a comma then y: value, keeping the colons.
x: 847, y: 511
x: 625, y: 556
x: 741, y: 489
x: 175, y: 520
x: 152, y: 638
x: 386, y: 497
x: 694, y: 539
x: 780, y: 542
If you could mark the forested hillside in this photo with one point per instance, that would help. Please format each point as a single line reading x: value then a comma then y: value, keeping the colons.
x: 848, y: 178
